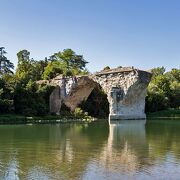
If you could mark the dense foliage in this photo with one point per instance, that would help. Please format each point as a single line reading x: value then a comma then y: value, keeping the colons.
x: 19, y: 92
x: 163, y: 90
x: 67, y: 63
x: 6, y: 65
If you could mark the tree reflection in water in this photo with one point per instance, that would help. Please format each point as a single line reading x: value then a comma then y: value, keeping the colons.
x: 123, y: 149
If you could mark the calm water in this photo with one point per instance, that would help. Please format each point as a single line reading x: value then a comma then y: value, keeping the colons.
x: 124, y: 150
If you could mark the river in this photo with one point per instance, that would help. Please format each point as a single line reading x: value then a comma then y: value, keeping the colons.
x: 119, y: 150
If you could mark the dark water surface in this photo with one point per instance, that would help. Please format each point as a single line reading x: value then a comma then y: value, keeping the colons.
x: 124, y: 150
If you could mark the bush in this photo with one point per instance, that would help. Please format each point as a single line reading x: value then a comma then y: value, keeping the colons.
x: 32, y: 99
x: 156, y: 102
x: 6, y: 106
x: 79, y: 113
x: 163, y: 90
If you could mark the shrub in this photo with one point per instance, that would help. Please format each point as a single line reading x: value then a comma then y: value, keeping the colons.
x: 79, y: 113
x: 6, y: 106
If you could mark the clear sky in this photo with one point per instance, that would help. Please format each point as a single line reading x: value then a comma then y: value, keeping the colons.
x: 139, y: 33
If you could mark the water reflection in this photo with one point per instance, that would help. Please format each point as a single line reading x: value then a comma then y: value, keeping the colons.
x: 49, y: 151
x: 126, y: 146
x: 163, y: 139
x: 119, y: 150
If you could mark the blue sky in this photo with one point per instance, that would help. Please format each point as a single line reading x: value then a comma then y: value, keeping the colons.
x: 139, y: 33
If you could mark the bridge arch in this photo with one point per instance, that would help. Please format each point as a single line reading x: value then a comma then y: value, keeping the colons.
x: 125, y: 89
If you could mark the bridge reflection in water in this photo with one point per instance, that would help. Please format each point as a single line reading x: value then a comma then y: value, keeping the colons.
x: 125, y: 146
x: 118, y: 150
x: 74, y: 151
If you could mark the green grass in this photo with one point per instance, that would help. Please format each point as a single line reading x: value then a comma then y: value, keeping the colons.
x: 170, y: 113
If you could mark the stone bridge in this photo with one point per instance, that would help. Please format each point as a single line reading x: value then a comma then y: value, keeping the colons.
x: 125, y: 88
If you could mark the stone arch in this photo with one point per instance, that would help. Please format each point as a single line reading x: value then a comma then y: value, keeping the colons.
x: 125, y: 89
x: 80, y: 92
x: 96, y: 104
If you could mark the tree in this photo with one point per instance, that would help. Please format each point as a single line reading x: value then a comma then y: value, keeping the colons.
x: 6, y: 93
x: 29, y: 98
x: 67, y: 63
x: 158, y: 71
x: 71, y: 60
x: 38, y: 68
x: 174, y: 80
x: 6, y: 66
x: 163, y: 90
x: 24, y: 65
x: 174, y: 75
x: 28, y: 68
x: 53, y: 69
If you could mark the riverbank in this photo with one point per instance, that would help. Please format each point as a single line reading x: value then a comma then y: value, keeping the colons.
x: 170, y: 113
x: 50, y: 119
x: 21, y: 119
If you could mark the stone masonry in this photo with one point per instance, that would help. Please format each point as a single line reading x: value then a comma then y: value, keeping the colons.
x: 125, y: 89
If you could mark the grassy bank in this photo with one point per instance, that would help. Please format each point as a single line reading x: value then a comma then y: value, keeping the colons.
x: 21, y: 119
x: 170, y: 113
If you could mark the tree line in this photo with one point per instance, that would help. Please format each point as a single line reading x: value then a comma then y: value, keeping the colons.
x: 19, y: 92
x: 164, y: 90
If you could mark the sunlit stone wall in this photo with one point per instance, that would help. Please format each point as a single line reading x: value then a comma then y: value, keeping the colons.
x: 125, y: 89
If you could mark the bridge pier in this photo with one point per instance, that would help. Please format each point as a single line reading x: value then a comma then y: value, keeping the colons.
x: 127, y: 117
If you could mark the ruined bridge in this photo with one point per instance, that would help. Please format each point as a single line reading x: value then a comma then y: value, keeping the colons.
x: 125, y: 89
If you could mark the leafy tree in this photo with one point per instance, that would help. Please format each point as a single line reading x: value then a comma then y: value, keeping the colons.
x: 163, y: 90
x: 28, y: 96
x: 158, y: 71
x: 67, y: 63
x: 32, y: 99
x: 174, y: 79
x: 38, y: 68
x: 162, y: 83
x: 174, y: 75
x: 53, y: 69
x: 6, y: 66
x: 28, y: 68
x: 71, y: 59
x: 24, y: 65
x: 156, y: 99
x: 6, y: 93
